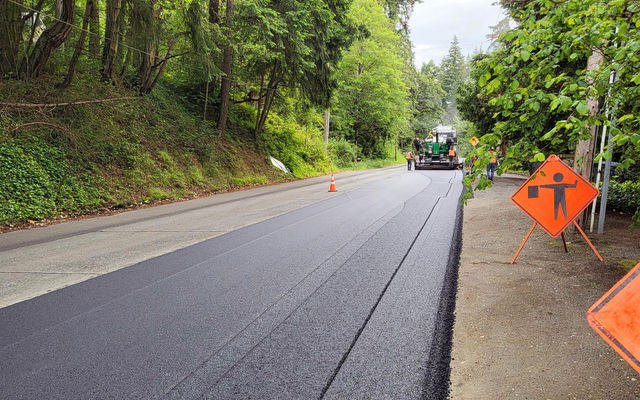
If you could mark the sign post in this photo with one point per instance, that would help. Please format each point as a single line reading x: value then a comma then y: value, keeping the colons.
x: 553, y: 197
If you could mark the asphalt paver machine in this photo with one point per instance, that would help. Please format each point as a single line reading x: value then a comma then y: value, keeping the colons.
x: 439, y: 150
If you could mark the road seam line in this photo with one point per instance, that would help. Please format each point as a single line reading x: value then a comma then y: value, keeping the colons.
x: 278, y: 300
x: 375, y: 306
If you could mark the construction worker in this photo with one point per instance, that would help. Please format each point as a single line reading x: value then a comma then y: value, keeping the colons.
x: 409, y: 159
x: 417, y: 144
x: 493, y: 161
x: 452, y: 154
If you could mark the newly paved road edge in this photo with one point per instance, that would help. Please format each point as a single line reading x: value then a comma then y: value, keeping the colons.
x: 438, y: 380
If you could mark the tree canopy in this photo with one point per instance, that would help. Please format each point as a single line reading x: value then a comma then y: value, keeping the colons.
x: 567, y: 69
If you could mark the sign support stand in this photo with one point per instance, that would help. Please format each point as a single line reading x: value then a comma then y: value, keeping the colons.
x: 523, y: 242
x: 588, y: 241
x: 564, y: 241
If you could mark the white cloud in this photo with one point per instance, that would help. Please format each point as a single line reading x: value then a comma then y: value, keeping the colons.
x: 435, y: 22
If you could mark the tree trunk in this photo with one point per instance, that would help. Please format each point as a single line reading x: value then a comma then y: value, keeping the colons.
x: 503, y: 146
x: 146, y: 68
x: 10, y: 37
x: 124, y: 38
x: 206, y: 101
x: 583, y: 161
x: 270, y: 93
x: 79, y: 46
x: 150, y: 46
x: 268, y: 101
x: 51, y: 39
x: 94, y: 28
x: 111, y: 38
x: 161, y: 68
x: 227, y: 60
x: 214, y: 11
x: 59, y: 9
x: 125, y: 65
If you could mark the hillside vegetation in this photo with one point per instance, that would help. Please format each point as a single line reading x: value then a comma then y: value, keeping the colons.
x: 178, y: 99
x: 138, y: 150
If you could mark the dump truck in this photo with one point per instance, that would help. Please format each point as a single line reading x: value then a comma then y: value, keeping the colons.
x: 439, y: 150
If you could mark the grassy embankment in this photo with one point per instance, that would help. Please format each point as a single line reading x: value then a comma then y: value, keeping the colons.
x: 56, y: 162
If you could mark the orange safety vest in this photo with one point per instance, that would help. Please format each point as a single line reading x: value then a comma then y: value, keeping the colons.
x: 409, y: 155
x: 452, y: 153
x: 493, y: 159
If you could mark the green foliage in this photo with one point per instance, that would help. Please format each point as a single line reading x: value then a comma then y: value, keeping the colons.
x: 342, y: 152
x: 371, y: 101
x: 428, y: 101
x: 453, y: 72
x: 145, y: 150
x: 164, y: 145
x: 36, y: 182
x: 300, y: 148
x: 465, y: 130
x: 625, y: 197
x: 537, y: 83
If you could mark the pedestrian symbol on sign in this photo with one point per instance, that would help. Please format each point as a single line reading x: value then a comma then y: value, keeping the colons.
x: 559, y: 195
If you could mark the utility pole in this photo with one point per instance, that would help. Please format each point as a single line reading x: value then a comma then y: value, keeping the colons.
x: 605, y: 184
x: 327, y: 117
x: 603, y: 139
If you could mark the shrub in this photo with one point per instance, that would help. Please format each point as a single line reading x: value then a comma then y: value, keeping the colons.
x: 36, y: 182
x: 625, y: 197
x: 300, y: 148
x: 341, y: 152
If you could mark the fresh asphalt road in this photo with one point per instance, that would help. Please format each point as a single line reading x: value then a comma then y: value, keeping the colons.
x: 342, y: 298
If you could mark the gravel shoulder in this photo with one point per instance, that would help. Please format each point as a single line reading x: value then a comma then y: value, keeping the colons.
x: 521, y: 330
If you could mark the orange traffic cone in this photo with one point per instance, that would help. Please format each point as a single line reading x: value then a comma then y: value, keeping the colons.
x: 332, y: 188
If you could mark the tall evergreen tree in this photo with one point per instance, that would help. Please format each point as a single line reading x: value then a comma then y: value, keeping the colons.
x: 453, y: 71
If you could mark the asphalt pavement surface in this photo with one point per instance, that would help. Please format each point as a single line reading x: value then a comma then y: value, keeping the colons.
x: 349, y: 297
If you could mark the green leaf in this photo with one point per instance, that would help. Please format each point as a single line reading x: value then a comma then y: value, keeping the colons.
x: 625, y: 117
x: 524, y: 54
x: 582, y: 108
x: 549, y: 134
x: 539, y: 157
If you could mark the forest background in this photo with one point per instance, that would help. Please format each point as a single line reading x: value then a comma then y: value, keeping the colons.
x: 107, y: 104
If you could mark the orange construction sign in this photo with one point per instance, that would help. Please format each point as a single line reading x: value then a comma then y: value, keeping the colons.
x: 616, y: 317
x: 554, y: 196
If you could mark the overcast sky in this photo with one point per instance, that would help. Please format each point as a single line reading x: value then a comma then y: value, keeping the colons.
x: 434, y: 22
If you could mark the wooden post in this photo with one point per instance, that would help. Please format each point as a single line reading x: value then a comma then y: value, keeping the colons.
x: 327, y: 117
x: 584, y: 150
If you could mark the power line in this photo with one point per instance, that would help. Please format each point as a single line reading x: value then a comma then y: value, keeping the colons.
x: 77, y: 27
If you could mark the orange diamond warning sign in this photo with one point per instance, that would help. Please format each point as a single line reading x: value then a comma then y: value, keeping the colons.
x: 554, y: 195
x: 616, y: 317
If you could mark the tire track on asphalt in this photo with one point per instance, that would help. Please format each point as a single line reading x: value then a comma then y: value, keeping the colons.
x: 168, y: 394
x: 285, y: 294
x: 375, y: 306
